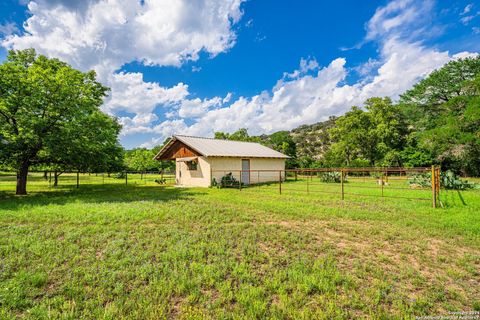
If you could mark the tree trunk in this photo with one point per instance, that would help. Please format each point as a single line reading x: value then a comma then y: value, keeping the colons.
x: 22, y: 174
x: 45, y: 175
x: 55, y: 178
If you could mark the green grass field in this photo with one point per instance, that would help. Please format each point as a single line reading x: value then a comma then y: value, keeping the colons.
x: 147, y: 251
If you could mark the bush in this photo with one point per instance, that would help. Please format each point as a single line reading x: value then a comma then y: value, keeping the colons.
x: 229, y: 181
x: 120, y: 175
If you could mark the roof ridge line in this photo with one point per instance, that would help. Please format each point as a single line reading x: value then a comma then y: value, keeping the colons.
x: 206, y: 138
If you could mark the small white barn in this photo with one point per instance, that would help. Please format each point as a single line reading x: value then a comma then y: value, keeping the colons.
x: 200, y: 161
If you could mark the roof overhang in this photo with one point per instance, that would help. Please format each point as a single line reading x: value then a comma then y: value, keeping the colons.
x: 166, y: 148
x: 186, y: 159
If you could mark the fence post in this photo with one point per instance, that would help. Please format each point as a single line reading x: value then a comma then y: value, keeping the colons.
x: 126, y: 178
x: 49, y: 179
x: 295, y: 175
x: 381, y: 181
x: 103, y: 177
x: 78, y: 179
x: 434, y: 187
x: 341, y: 181
x: 308, y: 191
x: 280, y: 181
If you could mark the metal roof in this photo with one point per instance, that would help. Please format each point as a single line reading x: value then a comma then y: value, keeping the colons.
x: 209, y: 147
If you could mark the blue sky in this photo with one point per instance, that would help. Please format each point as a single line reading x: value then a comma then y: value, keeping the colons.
x: 198, y: 67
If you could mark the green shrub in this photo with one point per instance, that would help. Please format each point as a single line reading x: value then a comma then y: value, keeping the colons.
x: 119, y: 175
x: 229, y: 181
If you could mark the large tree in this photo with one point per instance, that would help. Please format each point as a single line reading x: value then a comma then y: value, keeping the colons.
x: 443, y: 111
x: 372, y: 136
x: 50, y: 114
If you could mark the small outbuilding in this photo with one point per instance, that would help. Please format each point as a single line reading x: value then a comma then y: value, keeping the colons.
x: 203, y: 161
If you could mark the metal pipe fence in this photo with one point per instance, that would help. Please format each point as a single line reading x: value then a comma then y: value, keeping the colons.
x: 392, y: 182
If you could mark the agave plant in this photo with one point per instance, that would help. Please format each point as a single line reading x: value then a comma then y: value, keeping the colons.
x: 448, y: 180
x: 331, y: 177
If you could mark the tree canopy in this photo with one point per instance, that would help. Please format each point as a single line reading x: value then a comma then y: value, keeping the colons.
x: 50, y: 115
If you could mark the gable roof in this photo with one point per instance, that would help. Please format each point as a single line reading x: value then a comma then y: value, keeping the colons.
x: 210, y: 147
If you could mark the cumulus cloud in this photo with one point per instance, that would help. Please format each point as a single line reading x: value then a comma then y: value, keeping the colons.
x: 130, y: 93
x: 104, y: 35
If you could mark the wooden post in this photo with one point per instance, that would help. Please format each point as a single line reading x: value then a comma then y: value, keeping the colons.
x: 341, y: 181
x: 50, y: 178
x: 78, y: 179
x: 308, y: 191
x: 381, y: 181
x: 126, y: 178
x: 434, y: 185
x: 280, y: 181
x: 295, y: 175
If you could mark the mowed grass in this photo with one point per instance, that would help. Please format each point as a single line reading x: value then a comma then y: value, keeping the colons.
x: 147, y: 251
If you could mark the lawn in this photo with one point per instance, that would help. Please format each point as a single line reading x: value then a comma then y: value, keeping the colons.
x: 146, y: 251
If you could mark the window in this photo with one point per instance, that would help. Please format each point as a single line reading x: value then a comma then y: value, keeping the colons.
x: 192, y: 165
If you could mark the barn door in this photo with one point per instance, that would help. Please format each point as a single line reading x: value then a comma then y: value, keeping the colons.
x: 246, y: 171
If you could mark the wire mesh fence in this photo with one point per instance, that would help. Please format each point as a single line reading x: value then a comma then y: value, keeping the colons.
x: 402, y: 183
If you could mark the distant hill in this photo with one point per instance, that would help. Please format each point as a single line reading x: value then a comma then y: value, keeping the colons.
x: 313, y: 140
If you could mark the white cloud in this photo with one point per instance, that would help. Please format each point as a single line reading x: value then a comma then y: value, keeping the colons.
x: 467, y: 9
x: 140, y: 123
x: 8, y: 29
x: 130, y: 93
x: 104, y: 35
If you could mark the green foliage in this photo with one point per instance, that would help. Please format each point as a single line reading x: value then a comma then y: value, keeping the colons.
x: 229, y: 181
x: 444, y: 113
x: 141, y: 159
x: 50, y: 115
x: 374, y: 135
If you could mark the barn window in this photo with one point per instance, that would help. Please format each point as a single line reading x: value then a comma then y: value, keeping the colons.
x: 192, y: 165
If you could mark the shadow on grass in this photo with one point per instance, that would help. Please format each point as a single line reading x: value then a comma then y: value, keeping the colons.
x: 96, y: 194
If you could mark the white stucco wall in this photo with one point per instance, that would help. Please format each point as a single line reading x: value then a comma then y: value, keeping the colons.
x: 221, y: 166
x: 217, y: 167
x: 193, y: 178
